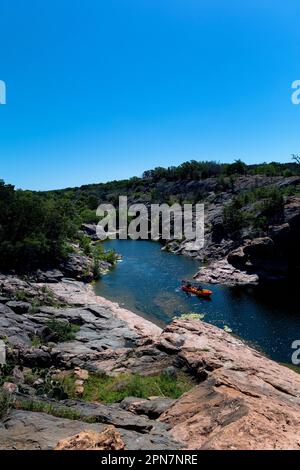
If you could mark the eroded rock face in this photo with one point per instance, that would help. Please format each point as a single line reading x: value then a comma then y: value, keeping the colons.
x: 100, y: 330
x: 271, y: 253
x: 260, y: 248
x: 245, y: 401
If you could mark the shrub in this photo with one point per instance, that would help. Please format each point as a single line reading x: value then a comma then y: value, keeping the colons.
x: 233, y: 218
x: 63, y: 330
x: 287, y: 173
x: 236, y: 168
x: 85, y: 244
x: 267, y: 200
x: 5, y: 403
x: 99, y: 254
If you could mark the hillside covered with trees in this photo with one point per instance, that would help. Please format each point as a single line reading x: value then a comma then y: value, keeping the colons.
x: 37, y: 229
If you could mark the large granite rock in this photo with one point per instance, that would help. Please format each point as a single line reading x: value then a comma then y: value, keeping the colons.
x: 222, y: 272
x: 244, y: 400
x: 241, y: 399
x: 51, y: 275
x: 110, y: 414
x: 78, y: 266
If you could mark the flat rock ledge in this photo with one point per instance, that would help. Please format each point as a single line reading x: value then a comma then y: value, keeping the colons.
x: 78, y: 293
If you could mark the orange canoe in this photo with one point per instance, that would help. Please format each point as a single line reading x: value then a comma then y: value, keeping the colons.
x: 199, y: 292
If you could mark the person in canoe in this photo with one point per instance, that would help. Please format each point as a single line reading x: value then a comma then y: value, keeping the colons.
x: 195, y: 288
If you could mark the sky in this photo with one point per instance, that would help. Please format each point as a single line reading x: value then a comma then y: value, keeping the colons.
x: 103, y: 90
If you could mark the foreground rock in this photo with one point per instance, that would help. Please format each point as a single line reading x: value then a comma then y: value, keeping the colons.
x: 26, y: 430
x: 245, y: 401
x: 241, y: 399
x: 109, y: 439
x: 102, y: 324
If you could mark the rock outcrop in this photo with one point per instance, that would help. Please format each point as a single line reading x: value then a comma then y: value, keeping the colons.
x: 244, y: 400
x: 223, y: 272
x: 264, y: 249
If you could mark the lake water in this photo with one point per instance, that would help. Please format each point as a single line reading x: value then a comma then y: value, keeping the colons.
x: 147, y: 281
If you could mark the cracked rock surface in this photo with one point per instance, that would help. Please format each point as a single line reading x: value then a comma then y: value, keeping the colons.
x: 245, y: 401
x: 241, y: 399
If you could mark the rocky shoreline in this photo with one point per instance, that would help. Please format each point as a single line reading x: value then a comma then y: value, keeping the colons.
x: 78, y: 293
x: 237, y: 398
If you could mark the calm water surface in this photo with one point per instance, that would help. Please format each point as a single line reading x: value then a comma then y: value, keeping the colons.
x: 147, y: 281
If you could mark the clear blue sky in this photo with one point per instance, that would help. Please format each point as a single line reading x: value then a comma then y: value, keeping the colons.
x: 100, y: 90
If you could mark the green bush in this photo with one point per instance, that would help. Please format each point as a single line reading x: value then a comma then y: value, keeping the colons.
x: 63, y: 330
x: 288, y: 173
x: 266, y: 200
x: 233, y: 218
x: 85, y: 244
x: 5, y: 403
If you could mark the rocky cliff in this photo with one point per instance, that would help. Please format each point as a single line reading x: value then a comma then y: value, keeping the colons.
x: 251, y: 231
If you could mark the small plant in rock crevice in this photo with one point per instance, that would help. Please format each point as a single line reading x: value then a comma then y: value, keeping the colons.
x: 63, y: 330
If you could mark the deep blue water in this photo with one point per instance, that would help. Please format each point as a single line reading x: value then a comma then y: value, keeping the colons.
x: 147, y: 281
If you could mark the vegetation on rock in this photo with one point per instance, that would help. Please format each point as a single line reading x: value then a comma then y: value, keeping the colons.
x: 113, y: 389
x: 5, y: 403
